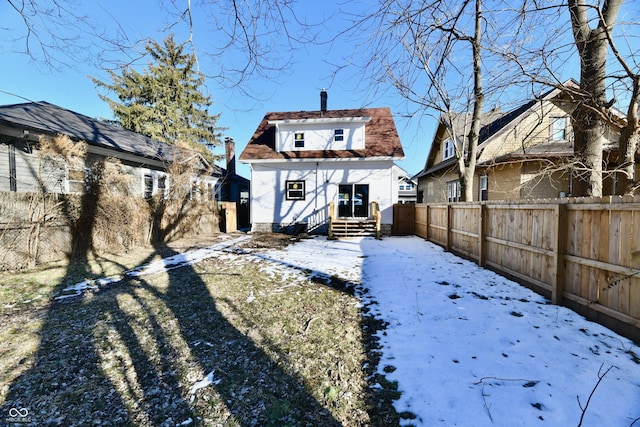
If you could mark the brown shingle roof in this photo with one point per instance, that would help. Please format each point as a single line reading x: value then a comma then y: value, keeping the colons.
x: 381, y: 137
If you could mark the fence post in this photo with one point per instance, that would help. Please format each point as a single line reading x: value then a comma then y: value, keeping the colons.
x: 428, y: 223
x: 482, y: 243
x: 448, y: 238
x: 557, y: 287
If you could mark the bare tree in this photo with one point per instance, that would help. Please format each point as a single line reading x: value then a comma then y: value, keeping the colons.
x: 630, y: 135
x: 446, y: 59
x: 589, y: 123
x: 603, y: 49
x: 50, y: 32
x: 244, y: 40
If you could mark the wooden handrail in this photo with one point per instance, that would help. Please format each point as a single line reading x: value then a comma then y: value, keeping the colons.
x: 331, y: 218
x: 377, y: 217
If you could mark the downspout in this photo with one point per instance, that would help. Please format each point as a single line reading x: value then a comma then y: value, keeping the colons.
x: 315, y: 208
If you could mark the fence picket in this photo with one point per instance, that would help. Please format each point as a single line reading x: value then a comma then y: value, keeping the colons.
x: 584, y: 253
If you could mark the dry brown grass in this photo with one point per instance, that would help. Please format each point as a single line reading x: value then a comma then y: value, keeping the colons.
x: 282, y: 349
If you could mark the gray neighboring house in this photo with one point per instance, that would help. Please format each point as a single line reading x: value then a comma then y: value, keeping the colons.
x: 22, y: 169
x: 407, y: 187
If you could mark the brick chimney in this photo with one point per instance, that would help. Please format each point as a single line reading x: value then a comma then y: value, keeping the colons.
x: 230, y: 155
x: 323, y: 101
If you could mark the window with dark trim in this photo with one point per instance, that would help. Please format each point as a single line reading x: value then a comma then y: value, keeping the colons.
x: 299, y: 139
x: 295, y: 190
x: 13, y: 181
x: 162, y: 186
x: 338, y: 135
x: 148, y: 186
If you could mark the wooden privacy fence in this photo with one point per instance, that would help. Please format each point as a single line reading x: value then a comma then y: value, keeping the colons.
x: 582, y: 253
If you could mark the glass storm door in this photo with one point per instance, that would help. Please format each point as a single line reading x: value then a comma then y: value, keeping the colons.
x: 353, y: 200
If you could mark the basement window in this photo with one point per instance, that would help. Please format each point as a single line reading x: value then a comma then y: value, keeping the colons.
x: 299, y: 140
x: 295, y: 190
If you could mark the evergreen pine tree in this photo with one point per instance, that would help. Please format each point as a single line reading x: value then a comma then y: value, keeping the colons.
x: 165, y: 101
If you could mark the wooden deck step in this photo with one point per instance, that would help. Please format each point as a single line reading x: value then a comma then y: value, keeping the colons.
x: 353, y: 228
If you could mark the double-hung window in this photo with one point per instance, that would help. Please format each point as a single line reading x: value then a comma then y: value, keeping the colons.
x: 338, y: 135
x: 559, y: 128
x: 147, y: 185
x: 453, y: 191
x: 298, y: 140
x: 484, y: 187
x: 449, y: 149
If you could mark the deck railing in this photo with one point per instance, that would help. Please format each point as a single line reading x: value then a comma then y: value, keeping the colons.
x: 376, y: 217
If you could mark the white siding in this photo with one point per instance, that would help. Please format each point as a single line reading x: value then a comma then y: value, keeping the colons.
x: 269, y: 204
x: 32, y: 174
x: 319, y: 137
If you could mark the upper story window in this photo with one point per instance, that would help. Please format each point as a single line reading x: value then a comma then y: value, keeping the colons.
x: 299, y: 140
x: 338, y: 135
x: 449, y: 149
x: 559, y: 128
x: 406, y: 187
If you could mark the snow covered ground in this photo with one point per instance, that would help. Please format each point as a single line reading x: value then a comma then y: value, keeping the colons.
x: 466, y: 346
x: 471, y: 348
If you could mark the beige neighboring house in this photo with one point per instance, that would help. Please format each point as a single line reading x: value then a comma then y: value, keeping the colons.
x: 522, y: 154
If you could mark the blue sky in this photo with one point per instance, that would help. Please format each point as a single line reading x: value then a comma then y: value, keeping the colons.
x: 294, y: 87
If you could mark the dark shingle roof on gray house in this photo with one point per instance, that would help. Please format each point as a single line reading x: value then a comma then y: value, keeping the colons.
x: 47, y: 118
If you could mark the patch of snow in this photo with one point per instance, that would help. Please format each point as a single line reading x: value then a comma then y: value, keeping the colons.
x: 469, y: 347
x: 205, y: 382
x: 156, y: 267
x: 251, y: 298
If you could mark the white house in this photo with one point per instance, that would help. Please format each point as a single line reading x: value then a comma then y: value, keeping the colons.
x: 303, y: 161
x: 407, y: 187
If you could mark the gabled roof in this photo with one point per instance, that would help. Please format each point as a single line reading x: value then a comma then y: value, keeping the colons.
x: 381, y: 137
x: 51, y: 119
x: 492, y: 124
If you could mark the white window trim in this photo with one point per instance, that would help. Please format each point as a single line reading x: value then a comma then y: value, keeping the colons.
x: 451, y: 187
x: 155, y: 175
x: 483, y: 185
x: 449, y: 149
x: 553, y: 130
